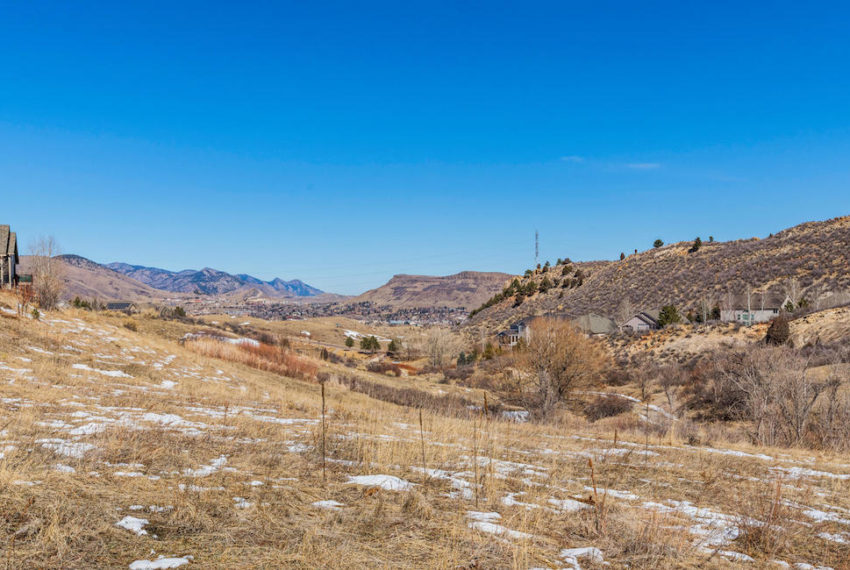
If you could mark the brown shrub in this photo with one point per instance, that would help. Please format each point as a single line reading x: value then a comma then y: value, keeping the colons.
x: 561, y: 358
x: 260, y: 356
x: 606, y: 407
x: 779, y: 330
x: 384, y: 368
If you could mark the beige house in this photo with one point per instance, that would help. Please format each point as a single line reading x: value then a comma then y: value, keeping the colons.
x: 755, y: 308
x: 641, y: 322
x: 8, y: 257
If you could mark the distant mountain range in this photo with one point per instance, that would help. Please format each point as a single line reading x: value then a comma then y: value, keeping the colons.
x: 123, y: 282
x: 89, y: 280
x: 209, y: 281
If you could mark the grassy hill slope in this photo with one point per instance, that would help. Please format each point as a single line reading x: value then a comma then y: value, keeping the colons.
x: 816, y: 254
x: 467, y: 289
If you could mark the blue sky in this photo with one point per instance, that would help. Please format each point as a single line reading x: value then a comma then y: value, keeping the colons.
x: 342, y: 143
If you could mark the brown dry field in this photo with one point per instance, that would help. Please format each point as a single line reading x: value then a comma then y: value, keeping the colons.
x: 327, y: 330
x: 222, y: 463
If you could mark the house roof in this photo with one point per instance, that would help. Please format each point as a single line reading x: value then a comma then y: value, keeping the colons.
x: 8, y: 242
x: 120, y: 306
x: 647, y: 317
x: 595, y: 324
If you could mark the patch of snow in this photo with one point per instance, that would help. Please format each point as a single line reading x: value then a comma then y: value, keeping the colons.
x: 160, y: 563
x: 386, y: 482
x: 87, y: 429
x: 242, y: 503
x: 76, y: 450
x: 133, y: 524
x: 839, y: 538
x: 822, y: 516
x: 800, y: 472
x: 735, y: 556
x: 518, y: 416
x: 483, y: 522
x: 568, y: 505
x: 625, y: 495
x: 110, y: 373
x: 571, y: 555
x: 736, y: 453
x: 207, y: 470
x: 332, y: 505
x: 509, y: 500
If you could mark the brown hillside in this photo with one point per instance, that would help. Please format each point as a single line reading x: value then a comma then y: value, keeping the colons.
x: 467, y: 290
x: 816, y: 254
x: 89, y: 280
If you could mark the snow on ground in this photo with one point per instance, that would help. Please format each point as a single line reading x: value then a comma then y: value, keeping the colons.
x: 386, y: 482
x: 572, y: 555
x: 207, y: 470
x: 330, y: 504
x: 110, y: 373
x: 242, y: 503
x: 69, y: 449
x: 161, y: 563
x: 357, y: 336
x: 484, y: 522
x: 83, y: 421
x: 133, y: 524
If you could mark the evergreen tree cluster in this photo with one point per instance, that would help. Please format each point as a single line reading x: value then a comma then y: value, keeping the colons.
x: 370, y: 343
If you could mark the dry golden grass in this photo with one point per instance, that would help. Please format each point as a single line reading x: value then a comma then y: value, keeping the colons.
x: 97, y: 419
x: 277, y: 359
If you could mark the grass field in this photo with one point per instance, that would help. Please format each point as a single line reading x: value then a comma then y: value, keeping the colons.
x: 118, y: 447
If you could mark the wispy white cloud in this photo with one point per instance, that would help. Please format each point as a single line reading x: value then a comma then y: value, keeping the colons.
x: 572, y: 158
x: 643, y: 165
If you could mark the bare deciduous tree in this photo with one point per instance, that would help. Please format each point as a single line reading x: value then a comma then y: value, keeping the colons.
x: 780, y: 392
x: 561, y: 358
x: 442, y: 347
x: 792, y: 289
x: 47, y: 272
x: 625, y: 311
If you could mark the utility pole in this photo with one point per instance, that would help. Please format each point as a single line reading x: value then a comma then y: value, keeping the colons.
x: 536, y: 248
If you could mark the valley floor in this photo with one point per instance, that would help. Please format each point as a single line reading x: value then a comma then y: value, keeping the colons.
x: 123, y: 449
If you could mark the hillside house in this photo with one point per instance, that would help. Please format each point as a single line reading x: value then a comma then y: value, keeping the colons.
x: 512, y: 335
x: 595, y: 325
x: 590, y: 324
x: 122, y: 307
x: 755, y: 308
x: 644, y: 321
x: 8, y: 257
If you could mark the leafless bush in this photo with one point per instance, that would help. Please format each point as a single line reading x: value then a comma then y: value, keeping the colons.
x: 618, y: 377
x: 709, y: 394
x: 606, y: 407
x: 560, y: 358
x: 460, y: 373
x: 780, y: 392
x: 441, y: 346
x: 47, y: 272
x: 384, y: 368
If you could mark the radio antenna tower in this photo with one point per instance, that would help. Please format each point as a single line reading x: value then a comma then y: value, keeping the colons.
x: 536, y: 248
